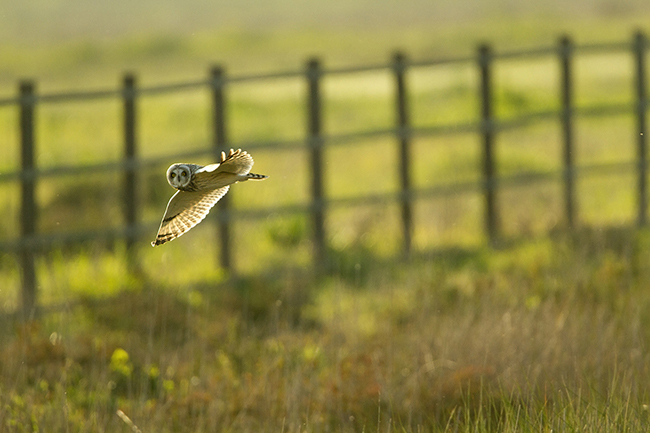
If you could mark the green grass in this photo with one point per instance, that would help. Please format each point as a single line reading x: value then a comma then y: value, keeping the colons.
x: 546, y: 332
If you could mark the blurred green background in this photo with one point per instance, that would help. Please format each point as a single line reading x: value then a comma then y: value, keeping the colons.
x: 63, y: 42
x: 547, y: 332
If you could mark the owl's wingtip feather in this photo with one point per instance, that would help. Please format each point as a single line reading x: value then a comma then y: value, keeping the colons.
x: 255, y: 176
x: 158, y: 241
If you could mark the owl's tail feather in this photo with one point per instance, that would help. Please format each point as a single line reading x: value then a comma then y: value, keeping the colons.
x: 254, y: 176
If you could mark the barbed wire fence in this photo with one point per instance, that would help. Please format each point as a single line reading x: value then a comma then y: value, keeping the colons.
x: 30, y: 242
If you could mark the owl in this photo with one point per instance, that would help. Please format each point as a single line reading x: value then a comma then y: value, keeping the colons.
x: 199, y: 188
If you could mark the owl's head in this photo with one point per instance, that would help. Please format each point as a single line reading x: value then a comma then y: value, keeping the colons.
x: 179, y: 175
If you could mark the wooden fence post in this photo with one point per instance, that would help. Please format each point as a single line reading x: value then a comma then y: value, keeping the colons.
x: 487, y: 130
x: 130, y: 181
x: 404, y: 137
x: 220, y: 140
x: 28, y: 202
x: 315, y: 143
x: 642, y: 105
x: 566, y: 115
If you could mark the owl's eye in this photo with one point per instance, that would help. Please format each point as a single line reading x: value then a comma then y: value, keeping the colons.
x: 172, y: 175
x: 184, y: 174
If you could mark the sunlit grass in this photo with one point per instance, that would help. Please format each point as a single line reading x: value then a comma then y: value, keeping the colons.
x: 546, y: 334
x: 78, y: 133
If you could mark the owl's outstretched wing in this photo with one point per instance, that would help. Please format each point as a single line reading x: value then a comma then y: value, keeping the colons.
x: 233, y: 168
x: 185, y: 210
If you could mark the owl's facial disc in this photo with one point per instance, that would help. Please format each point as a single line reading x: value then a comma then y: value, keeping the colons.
x: 179, y: 175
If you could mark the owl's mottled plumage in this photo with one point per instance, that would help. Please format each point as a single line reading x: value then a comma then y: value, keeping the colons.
x: 200, y: 188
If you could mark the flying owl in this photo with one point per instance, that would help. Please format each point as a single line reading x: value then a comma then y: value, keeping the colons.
x: 200, y: 188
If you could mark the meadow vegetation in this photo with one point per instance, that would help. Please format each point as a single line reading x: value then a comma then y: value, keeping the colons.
x: 547, y: 331
x: 546, y: 334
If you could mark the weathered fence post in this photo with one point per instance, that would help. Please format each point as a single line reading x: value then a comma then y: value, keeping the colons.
x: 487, y: 130
x: 566, y: 113
x: 642, y: 105
x: 315, y: 143
x: 28, y: 203
x: 220, y: 139
x: 404, y: 137
x: 130, y: 181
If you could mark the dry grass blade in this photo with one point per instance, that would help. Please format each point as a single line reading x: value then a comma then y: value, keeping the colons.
x: 128, y: 421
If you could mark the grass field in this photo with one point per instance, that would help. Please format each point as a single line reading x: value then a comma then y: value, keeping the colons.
x: 546, y: 332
